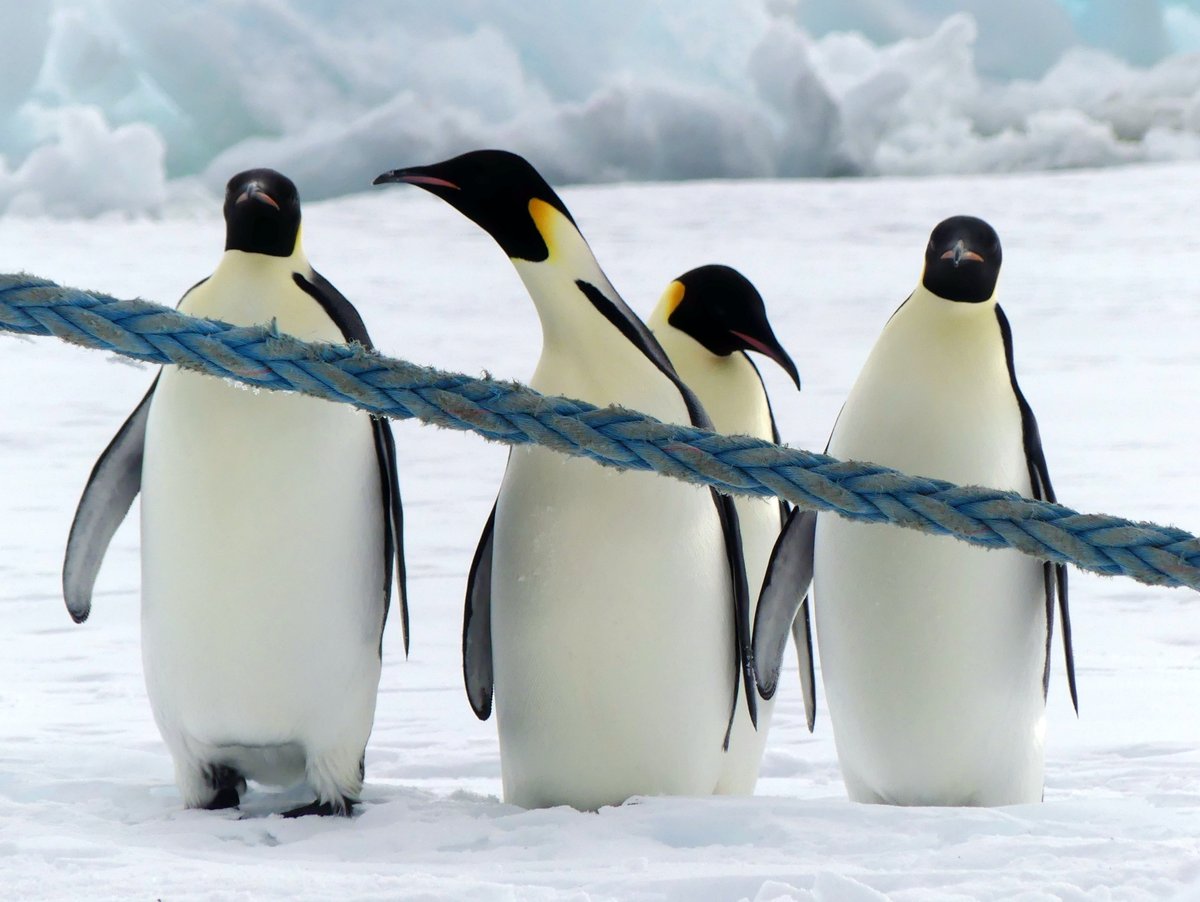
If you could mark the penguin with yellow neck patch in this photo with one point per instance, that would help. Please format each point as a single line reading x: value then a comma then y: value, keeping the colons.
x: 935, y: 655
x: 271, y: 529
x: 707, y: 321
x: 610, y: 609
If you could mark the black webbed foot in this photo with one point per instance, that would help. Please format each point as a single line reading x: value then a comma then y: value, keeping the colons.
x: 226, y: 797
x: 322, y: 809
x: 229, y: 785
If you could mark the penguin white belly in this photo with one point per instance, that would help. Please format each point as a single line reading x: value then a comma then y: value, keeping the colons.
x: 932, y: 651
x: 612, y: 634
x: 262, y: 569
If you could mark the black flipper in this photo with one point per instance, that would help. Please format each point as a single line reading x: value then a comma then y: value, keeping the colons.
x: 115, y: 481
x: 477, y: 625
x: 783, y: 608
x: 743, y: 659
x: 344, y: 314
x: 350, y: 324
x: 802, y: 634
x: 803, y: 637
x: 393, y: 536
x: 1039, y: 478
x: 626, y: 321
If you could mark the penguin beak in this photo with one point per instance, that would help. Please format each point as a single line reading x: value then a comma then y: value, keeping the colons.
x: 415, y: 176
x: 255, y: 192
x: 769, y: 346
x: 959, y: 253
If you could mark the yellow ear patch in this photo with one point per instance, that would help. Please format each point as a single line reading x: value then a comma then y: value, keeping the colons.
x: 672, y: 297
x: 546, y: 218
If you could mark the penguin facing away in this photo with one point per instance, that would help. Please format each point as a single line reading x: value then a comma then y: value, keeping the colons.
x: 610, y: 608
x: 271, y: 524
x: 936, y: 655
x: 706, y: 321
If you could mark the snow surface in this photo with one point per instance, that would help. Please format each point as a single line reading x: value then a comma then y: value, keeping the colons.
x: 137, y: 105
x: 1099, y: 284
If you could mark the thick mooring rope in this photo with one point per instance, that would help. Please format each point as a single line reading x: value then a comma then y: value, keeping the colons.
x: 514, y: 414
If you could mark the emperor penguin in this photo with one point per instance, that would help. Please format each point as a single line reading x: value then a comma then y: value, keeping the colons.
x: 609, y: 609
x: 935, y: 655
x: 271, y: 529
x: 706, y: 321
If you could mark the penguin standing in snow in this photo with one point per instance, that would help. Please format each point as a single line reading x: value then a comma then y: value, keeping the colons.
x: 271, y: 524
x: 609, y: 608
x: 706, y: 321
x: 936, y: 655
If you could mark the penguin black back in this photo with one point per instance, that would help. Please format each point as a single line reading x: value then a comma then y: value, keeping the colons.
x: 962, y: 260
x: 262, y: 213
x: 493, y: 189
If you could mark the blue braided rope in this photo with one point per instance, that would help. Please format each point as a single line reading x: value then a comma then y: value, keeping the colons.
x: 514, y: 414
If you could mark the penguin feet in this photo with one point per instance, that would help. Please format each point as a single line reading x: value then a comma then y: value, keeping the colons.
x: 335, y: 775
x: 227, y: 797
x: 323, y: 809
x: 226, y: 786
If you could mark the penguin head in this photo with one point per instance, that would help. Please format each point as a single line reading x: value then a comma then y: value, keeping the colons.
x: 262, y: 213
x: 720, y: 308
x: 497, y: 190
x: 962, y: 260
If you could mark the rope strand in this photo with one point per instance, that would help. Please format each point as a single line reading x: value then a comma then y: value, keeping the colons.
x: 513, y: 414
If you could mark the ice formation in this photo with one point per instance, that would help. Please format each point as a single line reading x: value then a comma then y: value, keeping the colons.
x: 121, y: 104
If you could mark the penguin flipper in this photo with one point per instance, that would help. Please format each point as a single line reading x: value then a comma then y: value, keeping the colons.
x: 743, y: 658
x: 802, y: 626
x: 782, y: 605
x: 1039, y: 478
x: 1060, y: 574
x: 477, y: 625
x: 1055, y: 574
x: 114, y: 482
x: 393, y: 527
x: 802, y: 636
x: 350, y: 323
x: 336, y: 306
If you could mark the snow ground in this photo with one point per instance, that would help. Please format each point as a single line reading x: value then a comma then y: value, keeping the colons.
x: 1099, y: 285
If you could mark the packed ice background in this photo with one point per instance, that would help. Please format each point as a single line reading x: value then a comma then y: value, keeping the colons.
x: 175, y: 97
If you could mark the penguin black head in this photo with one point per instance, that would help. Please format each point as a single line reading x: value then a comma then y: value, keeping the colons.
x: 494, y: 189
x: 262, y: 213
x: 962, y: 260
x: 720, y: 308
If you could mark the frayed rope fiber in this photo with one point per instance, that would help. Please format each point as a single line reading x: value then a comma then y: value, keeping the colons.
x: 516, y: 415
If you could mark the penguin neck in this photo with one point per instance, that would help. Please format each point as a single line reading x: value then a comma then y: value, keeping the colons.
x: 241, y: 265
x: 947, y: 326
x: 248, y: 289
x: 729, y: 387
x: 552, y: 283
x: 583, y: 354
